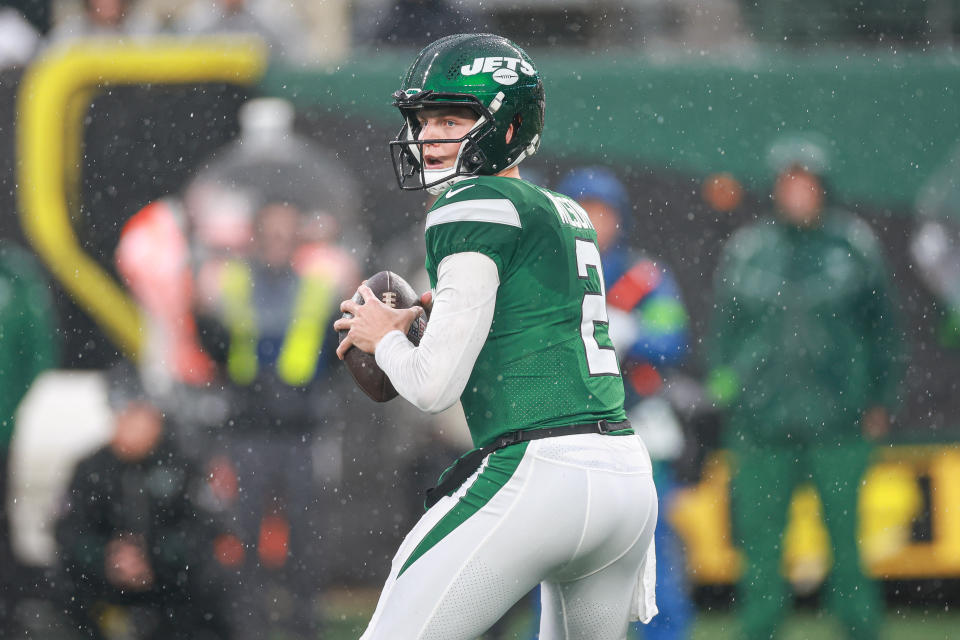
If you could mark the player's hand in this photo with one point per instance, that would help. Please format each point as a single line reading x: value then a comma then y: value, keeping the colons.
x: 371, y: 321
x: 876, y: 423
x: 426, y: 301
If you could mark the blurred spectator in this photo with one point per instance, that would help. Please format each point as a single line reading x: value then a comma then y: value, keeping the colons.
x: 239, y: 278
x: 132, y: 535
x: 275, y: 24
x: 935, y: 245
x: 410, y: 23
x: 805, y: 355
x: 266, y: 325
x: 103, y: 19
x: 19, y: 40
x: 811, y: 24
x: 28, y: 345
x: 648, y: 327
x: 171, y: 252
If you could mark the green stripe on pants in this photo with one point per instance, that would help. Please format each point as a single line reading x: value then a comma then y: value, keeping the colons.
x: 500, y: 467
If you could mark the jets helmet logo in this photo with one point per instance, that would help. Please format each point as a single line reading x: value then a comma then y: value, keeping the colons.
x: 504, y: 69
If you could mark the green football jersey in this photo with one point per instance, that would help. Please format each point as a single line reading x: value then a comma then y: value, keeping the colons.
x: 547, y: 360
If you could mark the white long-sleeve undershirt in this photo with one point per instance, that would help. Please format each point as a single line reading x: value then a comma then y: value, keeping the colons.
x: 433, y: 376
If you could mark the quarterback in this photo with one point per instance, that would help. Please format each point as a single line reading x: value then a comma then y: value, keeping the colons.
x: 558, y: 490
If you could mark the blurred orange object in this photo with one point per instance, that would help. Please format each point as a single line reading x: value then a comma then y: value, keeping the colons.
x: 645, y: 379
x: 222, y: 479
x: 152, y: 256
x: 274, y: 541
x: 634, y: 285
x: 228, y: 550
x: 722, y: 191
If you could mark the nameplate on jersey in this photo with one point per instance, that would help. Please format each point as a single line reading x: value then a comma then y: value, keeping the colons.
x: 568, y: 211
x: 492, y: 211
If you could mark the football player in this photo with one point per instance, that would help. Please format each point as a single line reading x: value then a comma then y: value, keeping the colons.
x: 558, y: 490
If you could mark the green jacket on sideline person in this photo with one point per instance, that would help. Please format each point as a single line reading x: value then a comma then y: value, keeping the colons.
x: 805, y: 334
x: 28, y: 338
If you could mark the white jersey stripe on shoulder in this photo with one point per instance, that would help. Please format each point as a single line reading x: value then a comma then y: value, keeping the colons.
x: 494, y: 211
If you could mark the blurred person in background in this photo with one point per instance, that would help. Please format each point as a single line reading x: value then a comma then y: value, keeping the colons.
x: 805, y: 355
x: 267, y: 327
x: 103, y: 19
x: 273, y: 22
x: 135, y: 544
x: 648, y: 327
x: 935, y: 245
x: 404, y: 23
x: 170, y: 253
x: 28, y: 345
x: 238, y: 277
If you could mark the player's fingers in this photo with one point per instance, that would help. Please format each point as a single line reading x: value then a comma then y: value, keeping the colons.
x: 411, y: 314
x: 343, y: 324
x: 426, y: 300
x: 366, y: 293
x: 349, y: 306
x: 344, y: 346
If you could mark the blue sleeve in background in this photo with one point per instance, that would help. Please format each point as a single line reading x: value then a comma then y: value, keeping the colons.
x: 662, y: 324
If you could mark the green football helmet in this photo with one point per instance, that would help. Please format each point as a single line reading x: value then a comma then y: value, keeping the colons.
x: 487, y: 74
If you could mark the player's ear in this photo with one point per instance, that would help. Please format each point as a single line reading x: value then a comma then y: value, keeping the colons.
x: 512, y: 129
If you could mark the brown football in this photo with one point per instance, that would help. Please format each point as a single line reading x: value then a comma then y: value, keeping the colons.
x: 394, y: 291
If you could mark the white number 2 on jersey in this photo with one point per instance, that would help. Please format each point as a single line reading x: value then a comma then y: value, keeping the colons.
x: 601, y: 360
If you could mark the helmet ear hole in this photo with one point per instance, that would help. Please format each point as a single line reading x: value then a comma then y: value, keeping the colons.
x: 472, y: 157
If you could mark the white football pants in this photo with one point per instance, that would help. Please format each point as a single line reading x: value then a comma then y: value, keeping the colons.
x: 575, y: 513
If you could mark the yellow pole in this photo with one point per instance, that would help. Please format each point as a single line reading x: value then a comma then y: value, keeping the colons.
x: 46, y: 106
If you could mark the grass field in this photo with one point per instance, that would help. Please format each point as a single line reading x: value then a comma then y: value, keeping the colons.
x: 913, y: 624
x: 905, y: 624
x: 348, y: 612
